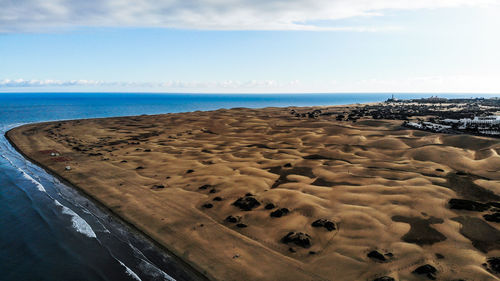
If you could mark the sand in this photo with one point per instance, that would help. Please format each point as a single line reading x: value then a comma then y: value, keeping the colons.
x: 383, y: 188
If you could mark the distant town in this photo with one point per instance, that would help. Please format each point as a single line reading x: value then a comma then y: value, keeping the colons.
x: 476, y: 116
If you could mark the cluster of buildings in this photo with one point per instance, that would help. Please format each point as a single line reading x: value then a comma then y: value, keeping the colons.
x: 478, y: 116
x: 476, y: 121
x: 428, y: 126
x: 483, y: 125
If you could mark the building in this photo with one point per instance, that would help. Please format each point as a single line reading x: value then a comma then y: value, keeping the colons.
x: 486, y: 120
x: 392, y: 99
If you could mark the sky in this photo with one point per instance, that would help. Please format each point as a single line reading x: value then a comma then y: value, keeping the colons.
x: 242, y: 46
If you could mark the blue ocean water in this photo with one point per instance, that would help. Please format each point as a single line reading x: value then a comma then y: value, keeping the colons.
x: 48, y: 231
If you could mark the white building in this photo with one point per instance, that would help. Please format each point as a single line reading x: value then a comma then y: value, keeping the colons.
x: 486, y: 120
x: 429, y: 126
x: 489, y: 120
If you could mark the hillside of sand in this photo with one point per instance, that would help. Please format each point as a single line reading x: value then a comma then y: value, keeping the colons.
x: 246, y: 194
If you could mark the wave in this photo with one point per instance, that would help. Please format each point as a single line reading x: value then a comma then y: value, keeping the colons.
x: 79, y: 224
x: 154, y: 271
x: 6, y: 158
x: 130, y: 271
x: 38, y: 185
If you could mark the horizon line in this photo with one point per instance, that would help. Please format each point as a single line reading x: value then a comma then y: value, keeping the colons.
x: 249, y: 93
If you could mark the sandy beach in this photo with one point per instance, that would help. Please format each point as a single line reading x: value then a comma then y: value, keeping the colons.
x: 262, y: 194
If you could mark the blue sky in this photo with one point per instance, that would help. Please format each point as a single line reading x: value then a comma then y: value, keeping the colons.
x: 250, y: 46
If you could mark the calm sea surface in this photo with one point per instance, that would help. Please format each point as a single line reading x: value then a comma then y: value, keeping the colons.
x: 49, y: 231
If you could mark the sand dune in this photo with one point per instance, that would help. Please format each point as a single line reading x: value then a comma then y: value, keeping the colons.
x: 246, y: 194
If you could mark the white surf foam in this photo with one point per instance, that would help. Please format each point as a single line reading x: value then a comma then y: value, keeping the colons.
x: 79, y: 224
x: 6, y: 158
x: 154, y: 271
x: 28, y: 177
x: 25, y: 175
x: 130, y: 272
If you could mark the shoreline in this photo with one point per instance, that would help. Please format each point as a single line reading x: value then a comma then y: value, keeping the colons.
x: 274, y: 121
x: 130, y: 226
x: 203, y: 274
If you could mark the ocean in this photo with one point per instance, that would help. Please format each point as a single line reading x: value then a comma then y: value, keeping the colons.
x: 49, y: 231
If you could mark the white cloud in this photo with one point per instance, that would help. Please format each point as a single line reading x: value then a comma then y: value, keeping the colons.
x: 42, y: 15
x: 14, y: 83
x: 465, y: 83
x: 183, y: 86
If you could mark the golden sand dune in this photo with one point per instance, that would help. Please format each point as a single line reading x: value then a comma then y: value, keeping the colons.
x: 246, y: 194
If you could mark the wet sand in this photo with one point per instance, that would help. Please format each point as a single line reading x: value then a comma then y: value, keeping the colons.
x: 247, y: 194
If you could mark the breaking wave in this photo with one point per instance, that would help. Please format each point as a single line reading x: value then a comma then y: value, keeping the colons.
x: 79, y: 224
x: 154, y: 271
x: 37, y: 184
x: 130, y: 272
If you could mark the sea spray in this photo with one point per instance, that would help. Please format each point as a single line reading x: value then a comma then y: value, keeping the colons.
x: 154, y: 271
x: 25, y: 175
x: 130, y: 272
x: 79, y: 224
x: 37, y: 184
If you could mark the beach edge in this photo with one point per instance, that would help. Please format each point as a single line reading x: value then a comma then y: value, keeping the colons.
x: 193, y: 268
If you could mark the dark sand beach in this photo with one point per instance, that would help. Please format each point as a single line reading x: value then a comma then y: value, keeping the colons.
x: 264, y: 194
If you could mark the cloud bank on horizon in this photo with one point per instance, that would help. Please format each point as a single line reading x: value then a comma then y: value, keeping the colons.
x: 228, y: 84
x: 484, y: 84
x: 48, y: 15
